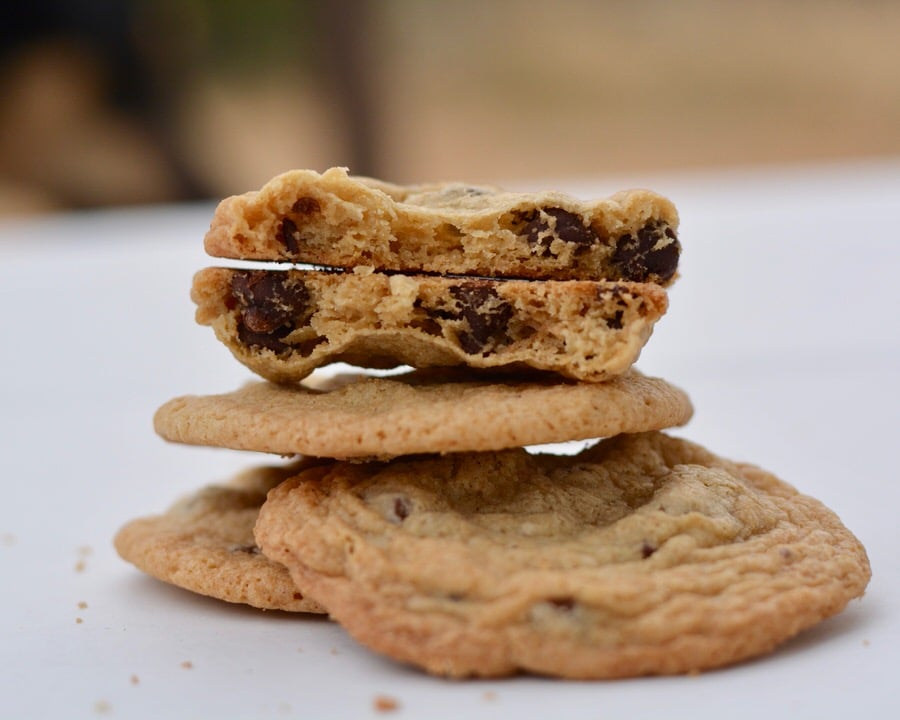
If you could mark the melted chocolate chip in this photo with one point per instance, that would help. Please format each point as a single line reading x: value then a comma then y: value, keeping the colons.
x: 428, y: 325
x: 568, y: 227
x: 249, y: 549
x: 268, y: 300
x: 563, y: 603
x: 651, y: 254
x: 306, y: 347
x: 270, y: 341
x: 401, y: 508
x: 306, y: 206
x: 615, y: 322
x: 288, y: 235
x: 486, y: 314
x: 268, y: 304
x: 647, y: 549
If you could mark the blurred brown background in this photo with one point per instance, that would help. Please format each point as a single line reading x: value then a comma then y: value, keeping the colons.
x: 107, y: 102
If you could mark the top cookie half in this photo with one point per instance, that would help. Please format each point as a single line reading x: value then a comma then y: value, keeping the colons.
x: 338, y: 220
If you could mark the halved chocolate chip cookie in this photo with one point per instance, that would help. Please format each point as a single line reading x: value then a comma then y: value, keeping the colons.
x: 283, y: 324
x: 337, y: 220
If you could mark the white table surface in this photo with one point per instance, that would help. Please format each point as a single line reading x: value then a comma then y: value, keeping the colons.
x: 783, y: 328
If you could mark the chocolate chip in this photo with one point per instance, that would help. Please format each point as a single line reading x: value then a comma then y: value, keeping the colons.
x: 563, y: 603
x: 401, y: 508
x: 486, y: 314
x: 269, y: 305
x: 306, y: 206
x: 249, y: 549
x: 651, y: 254
x: 268, y: 300
x: 470, y: 343
x: 613, y: 292
x: 428, y: 325
x: 567, y: 226
x: 305, y: 348
x: 289, y: 235
x: 647, y: 549
x: 270, y: 341
x: 615, y: 322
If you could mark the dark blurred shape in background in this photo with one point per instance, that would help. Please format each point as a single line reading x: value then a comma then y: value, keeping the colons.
x: 106, y: 102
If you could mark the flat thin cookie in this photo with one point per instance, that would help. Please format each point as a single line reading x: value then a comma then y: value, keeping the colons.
x: 645, y: 554
x: 204, y: 543
x: 420, y: 412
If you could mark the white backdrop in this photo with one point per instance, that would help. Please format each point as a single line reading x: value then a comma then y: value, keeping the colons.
x: 783, y: 328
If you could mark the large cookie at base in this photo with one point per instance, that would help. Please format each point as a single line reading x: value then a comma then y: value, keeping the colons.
x: 204, y: 543
x: 338, y: 220
x: 420, y: 412
x: 283, y: 324
x: 643, y: 555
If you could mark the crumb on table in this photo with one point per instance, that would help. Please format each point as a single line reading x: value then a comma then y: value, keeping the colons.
x: 102, y: 707
x: 385, y: 703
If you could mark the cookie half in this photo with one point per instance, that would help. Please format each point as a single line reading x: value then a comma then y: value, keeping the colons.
x: 204, y: 543
x: 422, y: 411
x: 285, y: 324
x: 643, y: 555
x: 337, y: 220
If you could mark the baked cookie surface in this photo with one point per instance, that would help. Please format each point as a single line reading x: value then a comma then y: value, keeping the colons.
x: 284, y: 324
x: 338, y: 220
x: 645, y: 554
x: 204, y: 543
x: 424, y: 411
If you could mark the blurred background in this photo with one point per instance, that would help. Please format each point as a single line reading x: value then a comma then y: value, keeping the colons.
x: 111, y: 102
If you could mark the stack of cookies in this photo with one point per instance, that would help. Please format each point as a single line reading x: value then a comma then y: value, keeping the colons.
x: 410, y: 510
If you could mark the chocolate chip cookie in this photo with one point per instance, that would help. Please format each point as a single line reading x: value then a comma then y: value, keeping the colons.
x: 645, y: 554
x: 283, y: 324
x: 424, y: 411
x: 337, y: 220
x: 204, y: 543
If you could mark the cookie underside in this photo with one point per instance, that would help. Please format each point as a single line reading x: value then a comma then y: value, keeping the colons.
x: 643, y: 555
